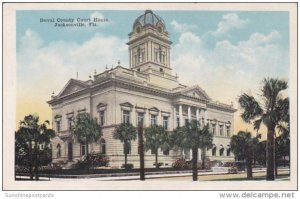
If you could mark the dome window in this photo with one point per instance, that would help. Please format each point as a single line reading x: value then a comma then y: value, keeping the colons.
x: 138, y: 29
x: 159, y: 29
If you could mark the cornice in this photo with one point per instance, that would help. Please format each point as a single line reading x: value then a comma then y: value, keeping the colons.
x: 146, y: 35
x: 221, y: 107
x: 108, y: 82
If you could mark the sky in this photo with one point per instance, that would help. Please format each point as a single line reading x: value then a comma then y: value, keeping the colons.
x: 226, y: 53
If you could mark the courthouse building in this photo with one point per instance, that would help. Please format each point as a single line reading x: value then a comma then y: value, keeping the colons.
x: 145, y: 91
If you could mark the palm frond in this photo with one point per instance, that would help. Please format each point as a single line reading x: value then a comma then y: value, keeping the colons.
x: 251, y: 108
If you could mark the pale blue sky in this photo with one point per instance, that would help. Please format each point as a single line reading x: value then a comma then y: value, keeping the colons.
x: 120, y: 24
x: 225, y: 52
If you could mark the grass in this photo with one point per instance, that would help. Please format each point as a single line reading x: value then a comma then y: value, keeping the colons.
x: 103, y: 171
x: 280, y: 176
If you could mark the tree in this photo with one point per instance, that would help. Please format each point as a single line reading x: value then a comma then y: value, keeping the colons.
x: 86, y: 129
x: 282, y: 145
x: 260, y: 153
x: 243, y: 146
x: 268, y: 111
x: 283, y: 138
x: 191, y: 136
x: 125, y: 132
x: 27, y: 139
x: 157, y: 137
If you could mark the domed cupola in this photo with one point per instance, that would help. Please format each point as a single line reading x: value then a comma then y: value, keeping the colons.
x: 149, y: 19
x: 149, y: 44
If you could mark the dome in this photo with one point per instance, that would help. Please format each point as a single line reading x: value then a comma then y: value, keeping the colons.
x: 149, y: 18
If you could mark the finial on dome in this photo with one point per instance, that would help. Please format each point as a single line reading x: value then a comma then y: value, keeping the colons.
x: 148, y: 11
x: 119, y: 62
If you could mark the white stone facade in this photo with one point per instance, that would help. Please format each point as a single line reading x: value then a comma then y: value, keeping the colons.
x: 147, y: 88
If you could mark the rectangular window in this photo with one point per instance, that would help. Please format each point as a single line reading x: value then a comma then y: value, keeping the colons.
x: 135, y: 59
x: 153, y: 120
x: 58, y: 126
x: 70, y: 123
x: 165, y: 122
x: 82, y: 150
x: 221, y: 130
x: 140, y: 119
x: 228, y: 131
x: 126, y: 117
x: 156, y: 56
x: 214, y: 129
x: 102, y: 118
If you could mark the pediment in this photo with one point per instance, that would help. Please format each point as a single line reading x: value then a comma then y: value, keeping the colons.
x: 127, y: 104
x: 100, y: 105
x: 195, y: 91
x: 154, y: 109
x: 72, y: 86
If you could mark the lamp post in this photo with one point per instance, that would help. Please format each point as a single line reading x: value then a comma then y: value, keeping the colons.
x: 141, y: 150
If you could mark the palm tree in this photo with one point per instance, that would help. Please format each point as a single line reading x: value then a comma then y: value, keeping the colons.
x: 86, y: 129
x: 32, y: 133
x: 125, y: 132
x: 268, y: 111
x: 157, y: 137
x: 191, y: 136
x: 243, y: 146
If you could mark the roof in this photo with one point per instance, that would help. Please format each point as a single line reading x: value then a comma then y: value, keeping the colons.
x: 149, y: 18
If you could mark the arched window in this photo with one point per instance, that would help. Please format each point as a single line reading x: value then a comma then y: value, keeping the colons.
x: 58, y: 149
x: 214, y: 150
x: 139, y: 54
x: 221, y: 151
x: 228, y: 150
x: 102, y: 146
x: 160, y: 54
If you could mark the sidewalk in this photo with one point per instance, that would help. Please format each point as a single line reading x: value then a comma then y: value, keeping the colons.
x: 135, y: 176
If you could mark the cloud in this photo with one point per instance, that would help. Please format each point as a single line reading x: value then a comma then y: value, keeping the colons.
x: 182, y: 27
x: 47, y: 67
x: 227, y: 69
x: 230, y: 21
x: 97, y: 14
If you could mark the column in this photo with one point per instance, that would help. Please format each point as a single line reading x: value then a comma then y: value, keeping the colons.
x: 189, y: 114
x: 146, y: 119
x: 133, y: 116
x: 130, y: 57
x: 199, y: 155
x: 197, y: 115
x: 217, y: 128
x: 175, y: 117
x: 180, y: 115
x: 205, y: 116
